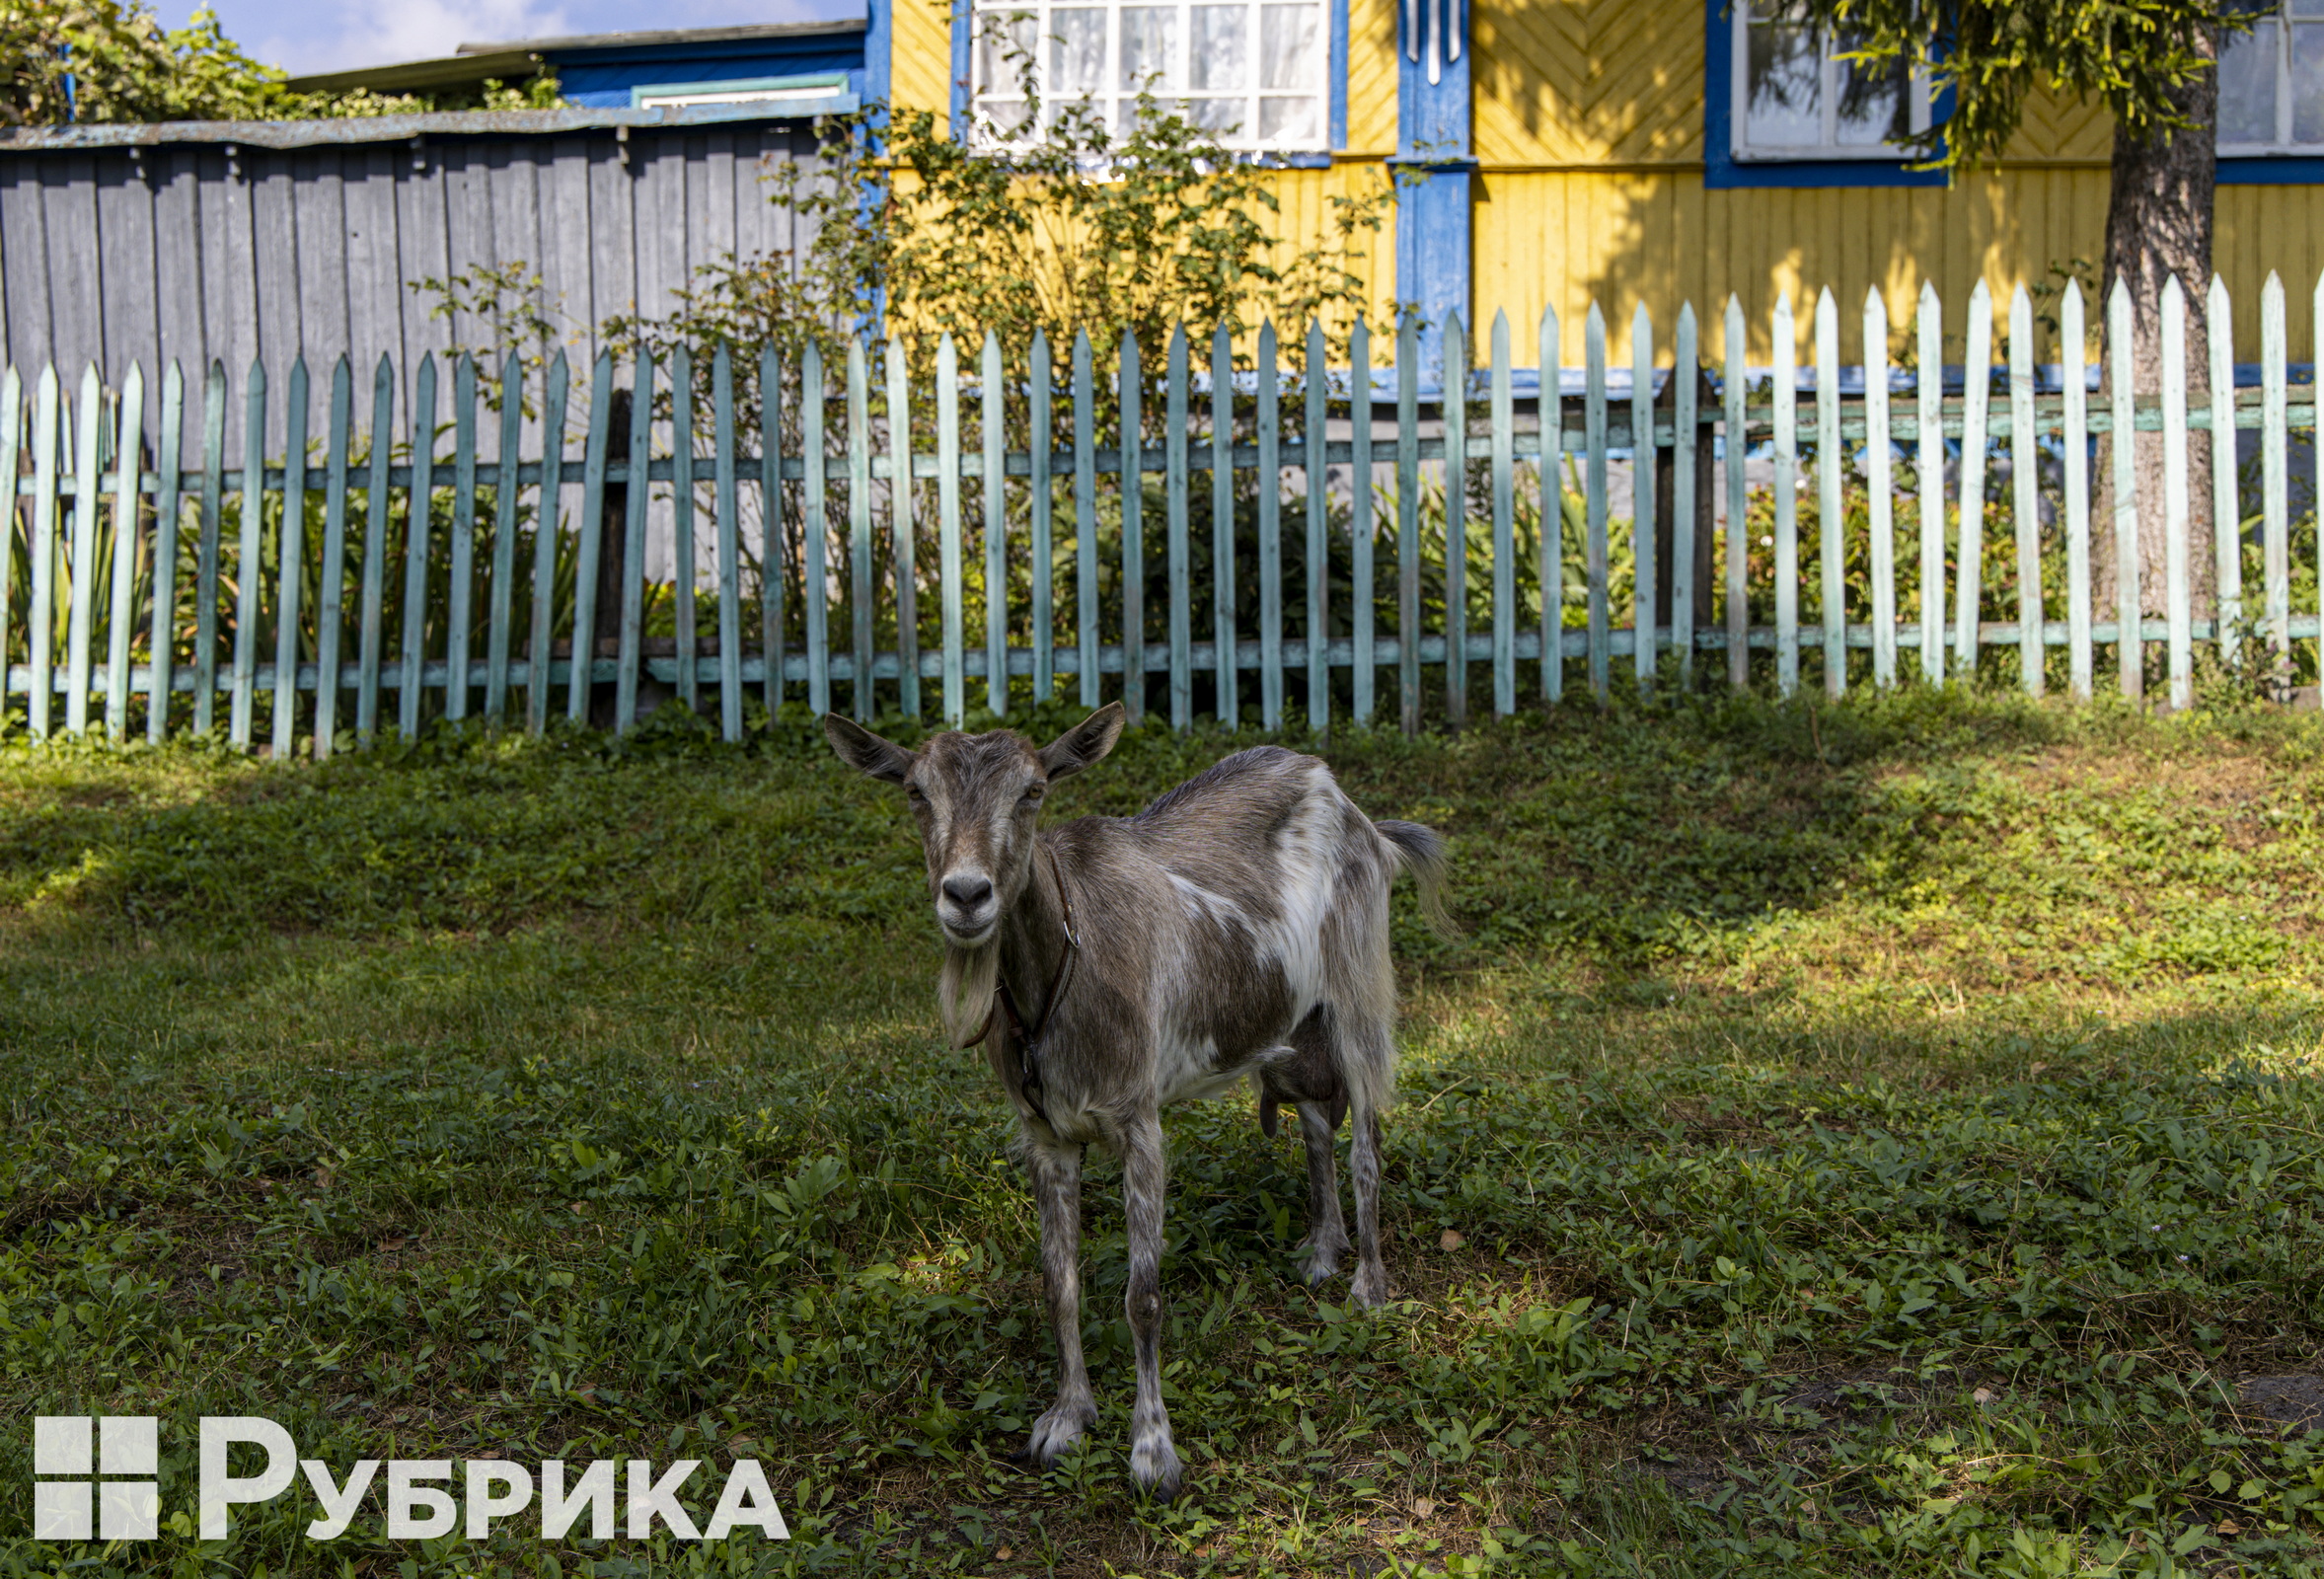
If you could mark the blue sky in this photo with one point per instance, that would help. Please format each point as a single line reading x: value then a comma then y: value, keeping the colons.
x: 328, y: 34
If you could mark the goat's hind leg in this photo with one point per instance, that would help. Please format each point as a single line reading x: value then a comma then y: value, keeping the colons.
x: 1309, y: 1077
x: 1056, y: 1173
x: 1368, y: 1052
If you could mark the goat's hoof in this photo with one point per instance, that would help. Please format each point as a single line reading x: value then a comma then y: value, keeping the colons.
x: 1370, y: 1289
x: 1055, y: 1432
x: 1155, y: 1467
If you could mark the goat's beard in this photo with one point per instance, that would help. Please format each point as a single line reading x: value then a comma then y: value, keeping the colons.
x: 964, y: 991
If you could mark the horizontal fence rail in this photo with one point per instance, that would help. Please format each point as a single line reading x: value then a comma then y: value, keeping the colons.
x: 728, y: 529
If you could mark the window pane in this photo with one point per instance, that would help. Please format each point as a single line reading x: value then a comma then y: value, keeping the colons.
x: 2305, y: 8
x: 1291, y: 120
x: 1010, y: 117
x: 1287, y: 46
x: 1221, y: 52
x: 1783, y: 83
x: 2307, y: 82
x: 1220, y: 117
x: 1872, y: 103
x: 1004, y: 51
x: 1150, y: 46
x: 2247, y: 87
x: 1077, y: 62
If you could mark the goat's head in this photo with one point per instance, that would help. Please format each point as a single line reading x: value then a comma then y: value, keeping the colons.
x: 976, y: 797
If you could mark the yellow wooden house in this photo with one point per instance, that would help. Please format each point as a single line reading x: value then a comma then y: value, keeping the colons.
x: 1560, y: 152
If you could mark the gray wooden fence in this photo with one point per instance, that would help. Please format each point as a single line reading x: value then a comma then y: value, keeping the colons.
x: 1067, y: 556
x: 246, y: 242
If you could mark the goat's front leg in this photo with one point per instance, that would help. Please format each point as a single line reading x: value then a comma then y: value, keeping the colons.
x: 1154, y: 1460
x: 1057, y: 1183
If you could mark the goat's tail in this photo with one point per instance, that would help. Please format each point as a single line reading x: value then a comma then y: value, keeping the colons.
x: 1421, y: 852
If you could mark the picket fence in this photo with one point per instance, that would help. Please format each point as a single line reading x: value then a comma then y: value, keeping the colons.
x: 165, y: 523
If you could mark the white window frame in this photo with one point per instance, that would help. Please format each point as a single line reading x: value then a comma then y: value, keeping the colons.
x: 1918, y: 94
x: 2283, y: 142
x: 1111, y: 96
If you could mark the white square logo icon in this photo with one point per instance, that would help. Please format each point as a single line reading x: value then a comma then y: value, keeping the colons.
x: 78, y: 1444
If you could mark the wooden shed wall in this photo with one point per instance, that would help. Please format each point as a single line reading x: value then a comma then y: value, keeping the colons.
x: 183, y: 253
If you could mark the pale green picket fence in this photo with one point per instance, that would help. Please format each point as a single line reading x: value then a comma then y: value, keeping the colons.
x: 120, y: 583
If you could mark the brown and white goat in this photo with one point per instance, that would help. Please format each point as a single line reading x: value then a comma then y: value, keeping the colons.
x: 1237, y: 927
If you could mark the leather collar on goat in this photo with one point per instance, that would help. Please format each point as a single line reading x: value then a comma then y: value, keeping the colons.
x: 1024, y: 1043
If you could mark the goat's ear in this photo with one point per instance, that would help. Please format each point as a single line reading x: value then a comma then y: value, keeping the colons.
x: 1085, y: 744
x: 864, y: 751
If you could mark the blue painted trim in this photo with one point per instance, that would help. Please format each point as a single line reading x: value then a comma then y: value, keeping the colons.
x: 1337, y: 75
x: 833, y: 84
x: 1434, y: 237
x: 1722, y: 170
x: 2272, y: 171
x: 880, y: 47
x: 958, y: 124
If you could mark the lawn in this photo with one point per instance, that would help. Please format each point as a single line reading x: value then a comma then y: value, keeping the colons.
x: 1870, y: 1137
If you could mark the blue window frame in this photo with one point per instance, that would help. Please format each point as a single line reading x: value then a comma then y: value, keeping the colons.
x: 1722, y: 168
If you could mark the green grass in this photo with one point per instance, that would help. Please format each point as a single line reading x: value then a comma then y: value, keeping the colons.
x: 1868, y: 1139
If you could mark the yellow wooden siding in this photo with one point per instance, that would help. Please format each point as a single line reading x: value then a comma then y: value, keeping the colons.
x: 1588, y: 81
x: 1568, y: 238
x: 920, y: 71
x: 1372, y: 77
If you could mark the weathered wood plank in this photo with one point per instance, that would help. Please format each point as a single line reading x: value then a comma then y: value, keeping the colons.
x: 1687, y: 372
x: 993, y: 490
x: 290, y: 550
x: 631, y: 664
x: 371, y: 616
x: 120, y: 619
x: 1363, y: 525
x: 1456, y: 410
x: 592, y: 547
x: 81, y: 572
x: 1316, y: 377
x: 459, y: 604
x: 902, y: 530
x: 948, y: 535
x: 501, y: 619
x: 1786, y: 545
x: 249, y: 569
x: 1929, y: 399
x: 859, y: 555
x: 1130, y: 388
x: 1596, y: 560
x: 725, y: 497
x: 331, y: 598
x: 2226, y: 509
x: 2275, y: 480
x: 547, y: 535
x: 1644, y: 642
x: 2177, y: 604
x: 1224, y: 626
x: 1831, y: 505
x: 1737, y: 445
x: 681, y: 556
x: 1084, y: 519
x: 210, y: 549
x: 2122, y: 405
x: 2074, y: 353
x: 162, y: 626
x: 40, y: 616
x: 2025, y: 471
x: 1409, y: 521
x: 1976, y: 405
x: 1270, y: 501
x: 1880, y: 492
x: 1043, y: 441
x: 1175, y: 488
x: 418, y: 529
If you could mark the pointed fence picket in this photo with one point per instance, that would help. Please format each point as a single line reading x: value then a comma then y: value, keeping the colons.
x: 398, y: 571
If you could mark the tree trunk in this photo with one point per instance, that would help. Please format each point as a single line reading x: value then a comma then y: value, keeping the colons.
x: 2158, y: 223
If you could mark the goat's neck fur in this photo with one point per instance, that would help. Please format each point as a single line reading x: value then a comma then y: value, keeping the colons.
x: 1025, y: 948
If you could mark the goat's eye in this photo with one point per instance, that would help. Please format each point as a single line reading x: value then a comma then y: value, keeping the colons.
x: 1034, y: 793
x: 913, y: 795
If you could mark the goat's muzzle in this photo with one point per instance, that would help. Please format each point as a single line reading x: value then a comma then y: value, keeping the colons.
x: 966, y: 908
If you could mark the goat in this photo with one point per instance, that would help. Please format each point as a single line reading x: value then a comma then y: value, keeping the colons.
x: 1237, y: 927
